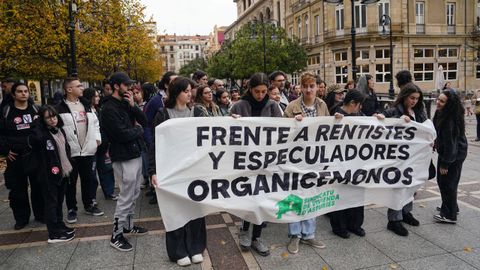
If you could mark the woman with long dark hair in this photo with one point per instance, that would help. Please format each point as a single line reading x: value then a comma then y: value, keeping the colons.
x: 49, y: 141
x: 409, y: 106
x: 186, y: 244
x: 365, y: 85
x: 255, y: 102
x: 451, y: 145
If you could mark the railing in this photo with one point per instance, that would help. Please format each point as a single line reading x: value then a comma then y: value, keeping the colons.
x: 420, y: 28
x: 450, y: 29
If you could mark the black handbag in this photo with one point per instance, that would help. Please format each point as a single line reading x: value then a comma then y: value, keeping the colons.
x: 432, y: 171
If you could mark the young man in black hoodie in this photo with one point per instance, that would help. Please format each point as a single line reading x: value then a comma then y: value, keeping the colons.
x: 123, y: 122
x: 15, y: 126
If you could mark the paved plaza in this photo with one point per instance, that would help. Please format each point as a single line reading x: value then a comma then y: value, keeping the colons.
x: 429, y: 246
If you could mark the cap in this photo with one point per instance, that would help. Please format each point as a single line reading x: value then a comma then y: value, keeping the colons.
x: 335, y: 88
x: 119, y: 78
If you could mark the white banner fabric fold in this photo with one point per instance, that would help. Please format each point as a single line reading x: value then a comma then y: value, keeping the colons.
x: 282, y: 170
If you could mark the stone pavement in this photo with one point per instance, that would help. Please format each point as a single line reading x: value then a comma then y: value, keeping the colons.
x: 429, y: 246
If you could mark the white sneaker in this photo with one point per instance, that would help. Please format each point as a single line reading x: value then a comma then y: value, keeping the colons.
x: 197, y: 258
x: 184, y: 261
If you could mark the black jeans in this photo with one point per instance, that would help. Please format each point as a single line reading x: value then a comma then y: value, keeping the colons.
x: 448, y: 185
x: 188, y: 240
x: 17, y: 182
x: 256, y: 231
x: 84, y: 167
x: 53, y: 194
x: 347, y: 219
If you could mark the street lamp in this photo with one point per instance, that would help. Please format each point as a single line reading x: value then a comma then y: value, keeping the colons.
x: 72, y: 8
x: 353, y: 32
x: 264, y: 43
x: 386, y: 20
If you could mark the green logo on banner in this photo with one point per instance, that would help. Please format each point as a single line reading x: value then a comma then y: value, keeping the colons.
x: 301, y: 207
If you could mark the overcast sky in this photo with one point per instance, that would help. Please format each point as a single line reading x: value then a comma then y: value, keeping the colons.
x: 190, y: 17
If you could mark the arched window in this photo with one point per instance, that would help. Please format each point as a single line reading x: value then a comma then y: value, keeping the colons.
x: 244, y: 5
x: 261, y: 17
x: 268, y: 14
x: 305, y: 32
x: 299, y: 25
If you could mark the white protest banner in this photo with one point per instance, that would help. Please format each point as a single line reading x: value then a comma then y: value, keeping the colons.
x: 282, y: 170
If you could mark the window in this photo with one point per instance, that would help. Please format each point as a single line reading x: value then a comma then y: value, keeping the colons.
x: 383, y: 9
x: 171, y: 48
x: 317, y: 25
x: 339, y: 18
x: 422, y: 53
x: 299, y: 25
x: 341, y: 56
x: 382, y: 72
x: 420, y: 17
x: 420, y: 12
x: 478, y: 72
x: 362, y: 55
x: 450, y: 13
x: 305, y: 32
x: 360, y: 15
x: 341, y: 74
x: 279, y: 19
x: 363, y: 69
x: 290, y: 32
x: 447, y: 52
x: 423, y: 72
x: 196, y: 47
x: 382, y: 53
x: 449, y: 70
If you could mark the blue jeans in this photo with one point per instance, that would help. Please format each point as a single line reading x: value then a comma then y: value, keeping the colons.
x: 105, y: 174
x: 304, y: 229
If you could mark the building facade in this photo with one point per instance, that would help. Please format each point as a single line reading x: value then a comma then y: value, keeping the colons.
x: 428, y: 35
x: 215, y: 40
x: 178, y: 51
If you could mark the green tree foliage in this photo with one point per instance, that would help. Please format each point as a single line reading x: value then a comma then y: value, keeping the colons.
x: 244, y: 55
x: 196, y: 64
x: 110, y: 36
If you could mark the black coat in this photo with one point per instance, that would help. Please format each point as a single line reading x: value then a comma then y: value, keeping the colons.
x: 398, y: 111
x: 450, y: 145
x: 371, y: 105
x: 123, y: 126
x: 45, y: 148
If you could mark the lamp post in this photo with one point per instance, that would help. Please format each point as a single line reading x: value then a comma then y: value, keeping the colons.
x: 353, y: 31
x: 264, y: 42
x: 386, y: 20
x: 72, y: 8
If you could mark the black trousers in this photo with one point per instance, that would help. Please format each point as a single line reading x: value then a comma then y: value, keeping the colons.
x: 256, y: 231
x: 53, y: 194
x: 84, y: 167
x: 347, y: 219
x: 17, y: 182
x: 448, y: 185
x: 188, y: 240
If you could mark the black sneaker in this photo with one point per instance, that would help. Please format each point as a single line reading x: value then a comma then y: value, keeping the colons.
x: 94, y: 211
x: 397, y: 228
x: 71, y: 216
x: 135, y: 230
x: 68, y: 230
x: 153, y: 200
x: 410, y: 220
x: 120, y: 243
x: 19, y: 225
x: 440, y: 209
x: 63, y: 237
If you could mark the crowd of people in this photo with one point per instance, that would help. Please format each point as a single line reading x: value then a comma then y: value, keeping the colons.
x: 106, y: 136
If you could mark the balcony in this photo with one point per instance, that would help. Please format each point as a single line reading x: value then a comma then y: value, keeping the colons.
x: 299, y: 5
x: 420, y: 28
x: 451, y: 29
